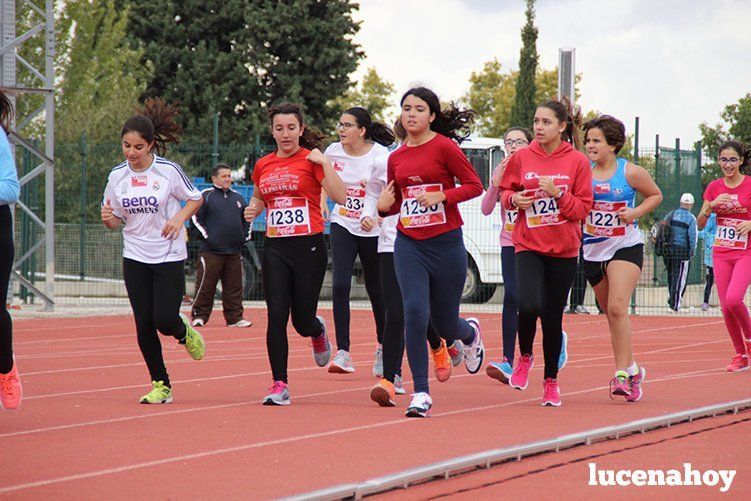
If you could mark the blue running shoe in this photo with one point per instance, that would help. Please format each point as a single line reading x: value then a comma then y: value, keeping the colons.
x: 500, y: 371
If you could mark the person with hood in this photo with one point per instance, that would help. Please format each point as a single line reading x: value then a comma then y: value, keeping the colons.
x: 550, y: 183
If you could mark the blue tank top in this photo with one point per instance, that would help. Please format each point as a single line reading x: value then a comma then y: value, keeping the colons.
x: 604, y: 233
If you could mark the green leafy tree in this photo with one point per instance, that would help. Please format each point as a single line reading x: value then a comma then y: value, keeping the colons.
x: 237, y: 57
x: 736, y: 124
x: 523, y: 109
x: 372, y: 93
x: 492, y: 93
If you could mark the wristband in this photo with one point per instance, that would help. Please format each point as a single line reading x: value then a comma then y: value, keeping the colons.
x: 708, y: 212
x: 559, y: 195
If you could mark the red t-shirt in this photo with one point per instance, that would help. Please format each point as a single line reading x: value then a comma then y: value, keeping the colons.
x: 730, y: 214
x: 291, y: 190
x: 550, y: 227
x: 432, y: 166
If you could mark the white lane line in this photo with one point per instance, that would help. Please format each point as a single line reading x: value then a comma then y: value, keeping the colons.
x: 256, y: 445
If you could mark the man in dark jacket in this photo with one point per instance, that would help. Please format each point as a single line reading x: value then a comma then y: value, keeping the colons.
x: 223, y: 233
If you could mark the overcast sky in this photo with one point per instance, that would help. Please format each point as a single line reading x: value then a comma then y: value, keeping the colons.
x: 673, y: 63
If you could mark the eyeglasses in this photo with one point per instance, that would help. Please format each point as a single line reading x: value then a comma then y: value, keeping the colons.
x: 345, y: 125
x: 729, y: 161
x: 515, y: 142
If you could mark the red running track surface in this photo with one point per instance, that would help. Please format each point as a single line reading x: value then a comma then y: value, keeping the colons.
x: 80, y: 432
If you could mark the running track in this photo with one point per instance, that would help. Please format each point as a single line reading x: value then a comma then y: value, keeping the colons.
x: 81, y: 434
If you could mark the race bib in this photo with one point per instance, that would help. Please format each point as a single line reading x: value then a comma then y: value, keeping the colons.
x: 354, y: 204
x: 544, y: 209
x: 509, y: 219
x: 727, y: 235
x: 413, y: 215
x: 287, y: 217
x: 603, y: 220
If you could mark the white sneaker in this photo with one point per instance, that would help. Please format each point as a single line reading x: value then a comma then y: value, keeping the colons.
x: 378, y: 362
x: 420, y: 405
x: 475, y: 352
x: 198, y: 322
x: 398, y: 386
x: 342, y: 363
x: 241, y: 323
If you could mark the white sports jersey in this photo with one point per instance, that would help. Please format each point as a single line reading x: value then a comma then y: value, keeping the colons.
x: 374, y: 187
x: 352, y: 170
x: 145, y: 201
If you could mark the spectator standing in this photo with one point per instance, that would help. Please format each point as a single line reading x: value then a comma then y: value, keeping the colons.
x: 707, y: 234
x: 683, y: 239
x: 223, y: 232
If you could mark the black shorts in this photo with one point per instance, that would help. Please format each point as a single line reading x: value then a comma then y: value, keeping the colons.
x: 595, y: 271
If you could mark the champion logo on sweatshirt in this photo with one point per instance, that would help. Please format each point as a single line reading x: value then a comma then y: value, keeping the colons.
x: 535, y: 175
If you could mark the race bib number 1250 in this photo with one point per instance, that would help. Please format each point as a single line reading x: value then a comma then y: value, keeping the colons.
x: 413, y: 215
x: 287, y: 217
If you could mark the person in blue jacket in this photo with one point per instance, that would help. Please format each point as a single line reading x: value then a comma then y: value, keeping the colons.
x: 10, y: 382
x: 707, y: 234
x: 683, y: 239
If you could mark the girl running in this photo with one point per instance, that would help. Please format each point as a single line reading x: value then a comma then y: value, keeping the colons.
x: 730, y: 198
x: 429, y: 255
x: 288, y: 185
x: 613, y: 243
x: 362, y: 143
x: 145, y: 193
x: 514, y: 139
x: 550, y: 183
x: 10, y: 381
x: 444, y: 358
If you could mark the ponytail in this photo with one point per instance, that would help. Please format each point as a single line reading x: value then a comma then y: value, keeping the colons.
x: 452, y: 122
x: 311, y: 137
x: 155, y: 123
x: 374, y: 131
x: 571, y: 116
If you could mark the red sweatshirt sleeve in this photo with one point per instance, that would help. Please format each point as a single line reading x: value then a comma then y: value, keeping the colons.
x: 576, y: 204
x: 510, y: 181
x: 459, y: 167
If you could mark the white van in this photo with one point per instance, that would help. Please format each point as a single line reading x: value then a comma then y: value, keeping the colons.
x: 481, y: 233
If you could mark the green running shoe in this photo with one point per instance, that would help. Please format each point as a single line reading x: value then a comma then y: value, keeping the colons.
x: 193, y: 340
x: 160, y: 394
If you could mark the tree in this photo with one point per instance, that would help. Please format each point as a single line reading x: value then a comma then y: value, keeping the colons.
x: 492, y: 93
x: 523, y: 110
x: 737, y: 118
x: 241, y: 56
x: 373, y: 93
x: 99, y: 85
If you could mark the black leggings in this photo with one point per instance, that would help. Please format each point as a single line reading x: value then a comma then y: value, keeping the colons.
x: 6, y: 264
x: 155, y: 292
x: 543, y: 283
x: 710, y: 283
x: 293, y: 270
x: 393, y: 331
x: 345, y: 247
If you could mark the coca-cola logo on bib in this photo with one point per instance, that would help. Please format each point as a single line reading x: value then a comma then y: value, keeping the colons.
x: 413, y: 192
x: 281, y: 203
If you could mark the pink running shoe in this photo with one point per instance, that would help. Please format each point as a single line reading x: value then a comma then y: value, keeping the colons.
x: 10, y: 389
x: 636, y: 381
x: 551, y: 394
x: 738, y: 363
x: 620, y: 386
x: 520, y: 377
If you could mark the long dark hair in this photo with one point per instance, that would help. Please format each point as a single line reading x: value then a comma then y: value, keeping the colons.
x: 374, y: 131
x: 155, y: 122
x: 6, y: 111
x: 743, y: 152
x: 311, y: 138
x: 569, y: 115
x: 452, y: 122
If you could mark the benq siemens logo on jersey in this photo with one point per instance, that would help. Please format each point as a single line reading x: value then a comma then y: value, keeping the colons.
x: 141, y: 205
